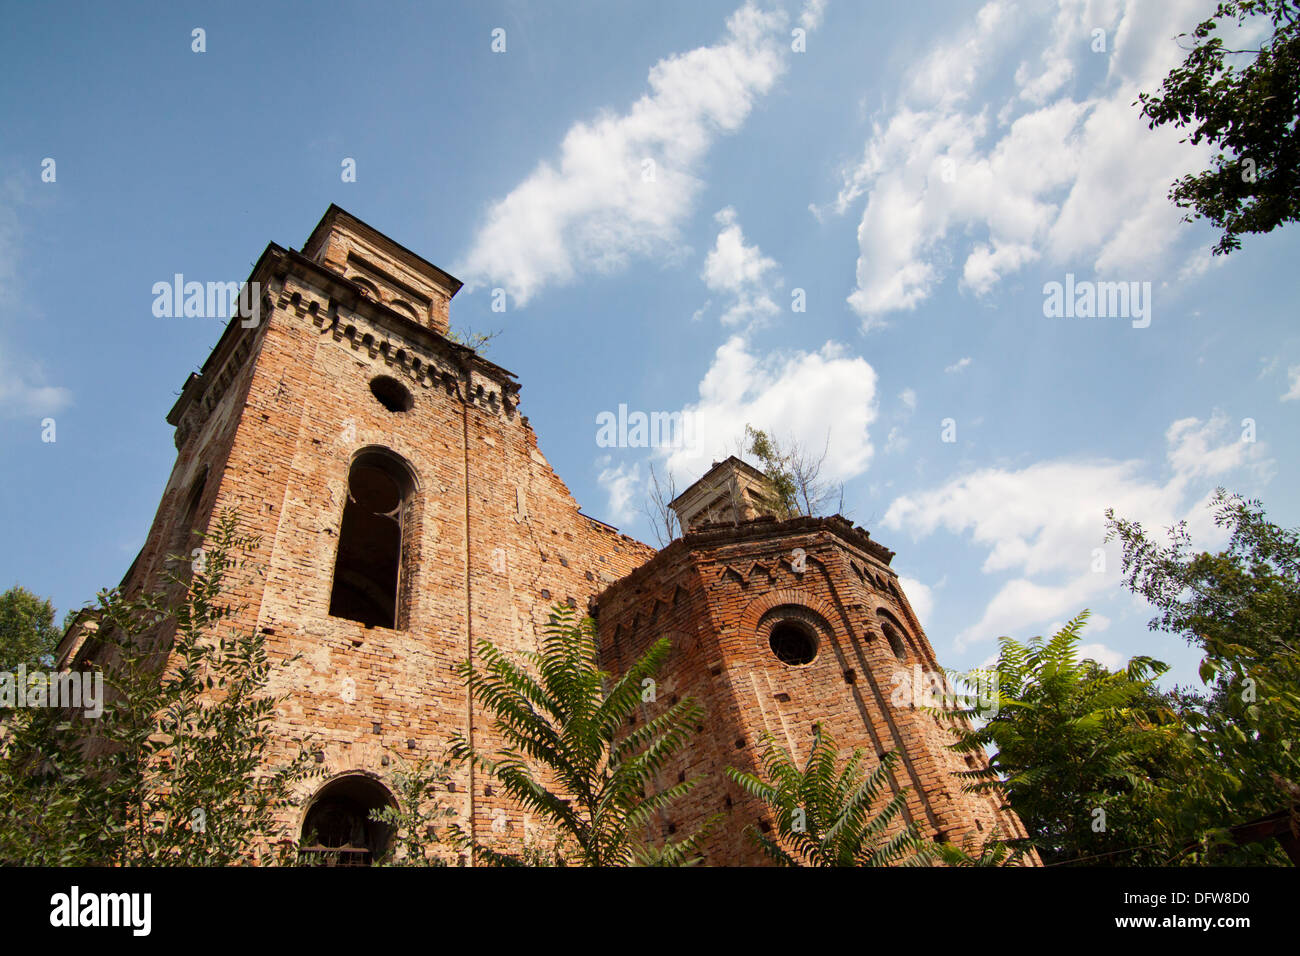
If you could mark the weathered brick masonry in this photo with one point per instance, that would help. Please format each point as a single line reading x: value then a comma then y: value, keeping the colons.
x: 720, y: 592
x: 347, y: 380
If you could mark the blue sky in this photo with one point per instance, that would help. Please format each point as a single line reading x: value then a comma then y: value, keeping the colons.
x: 653, y: 186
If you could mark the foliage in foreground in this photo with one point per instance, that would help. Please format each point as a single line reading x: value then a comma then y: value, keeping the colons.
x: 566, y: 756
x: 175, y: 771
x: 1241, y: 608
x: 1078, y: 748
x: 416, y: 822
x: 828, y: 814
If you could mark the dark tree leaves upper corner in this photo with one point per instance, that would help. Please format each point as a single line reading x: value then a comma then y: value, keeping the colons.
x: 1244, y: 102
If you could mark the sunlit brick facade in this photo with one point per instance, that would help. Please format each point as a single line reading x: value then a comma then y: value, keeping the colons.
x: 343, y: 424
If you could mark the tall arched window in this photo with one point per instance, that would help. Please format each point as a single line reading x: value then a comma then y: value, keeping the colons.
x: 368, y: 568
x: 185, y: 536
x: 893, y: 632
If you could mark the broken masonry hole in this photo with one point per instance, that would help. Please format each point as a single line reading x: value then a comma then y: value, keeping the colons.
x: 392, y: 394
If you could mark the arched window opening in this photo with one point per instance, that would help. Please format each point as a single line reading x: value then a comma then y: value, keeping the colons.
x: 368, y: 568
x: 184, y: 538
x: 405, y: 308
x: 338, y: 831
x: 368, y: 288
x: 893, y: 632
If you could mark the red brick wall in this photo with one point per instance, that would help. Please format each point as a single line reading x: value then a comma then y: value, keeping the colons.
x: 279, y: 443
x: 493, y: 540
x: 710, y: 592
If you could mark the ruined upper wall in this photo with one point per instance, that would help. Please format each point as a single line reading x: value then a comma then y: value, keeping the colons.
x: 390, y: 273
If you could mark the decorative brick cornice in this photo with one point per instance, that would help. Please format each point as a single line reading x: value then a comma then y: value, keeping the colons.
x: 424, y: 355
x: 714, y: 536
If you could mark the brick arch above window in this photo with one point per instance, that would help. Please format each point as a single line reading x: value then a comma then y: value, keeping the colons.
x: 897, y: 635
x: 754, y: 611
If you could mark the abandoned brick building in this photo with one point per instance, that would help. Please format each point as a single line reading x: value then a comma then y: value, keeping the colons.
x: 406, y: 511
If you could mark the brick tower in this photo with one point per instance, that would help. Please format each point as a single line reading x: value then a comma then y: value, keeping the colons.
x: 404, y: 508
x: 405, y: 512
x: 780, y: 627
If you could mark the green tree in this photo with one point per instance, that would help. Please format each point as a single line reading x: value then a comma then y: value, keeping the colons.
x: 567, y: 755
x: 28, y: 635
x: 1241, y: 607
x: 1248, y: 111
x: 1079, y: 750
x: 177, y: 769
x: 795, y: 475
x: 828, y: 814
x: 420, y: 813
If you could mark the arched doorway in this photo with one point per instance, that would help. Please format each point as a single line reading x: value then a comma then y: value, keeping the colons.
x: 337, y: 829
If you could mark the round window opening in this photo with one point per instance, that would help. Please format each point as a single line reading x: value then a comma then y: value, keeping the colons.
x: 392, y: 394
x: 792, y: 644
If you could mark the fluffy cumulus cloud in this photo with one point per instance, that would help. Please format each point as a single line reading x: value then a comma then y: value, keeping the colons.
x: 825, y: 398
x: 947, y: 181
x: 741, y: 273
x: 1043, y: 524
x: 920, y: 596
x: 622, y: 483
x: 624, y: 183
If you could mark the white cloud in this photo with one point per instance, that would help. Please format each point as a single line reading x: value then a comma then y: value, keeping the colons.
x: 1293, y: 379
x: 958, y: 365
x: 1044, y: 523
x: 908, y: 397
x: 789, y: 395
x: 941, y: 185
x: 920, y: 596
x: 1103, y: 655
x: 1192, y: 448
x: 23, y: 391
x: 740, y: 271
x: 622, y: 483
x: 895, y: 441
x: 810, y: 18
x: 594, y: 209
